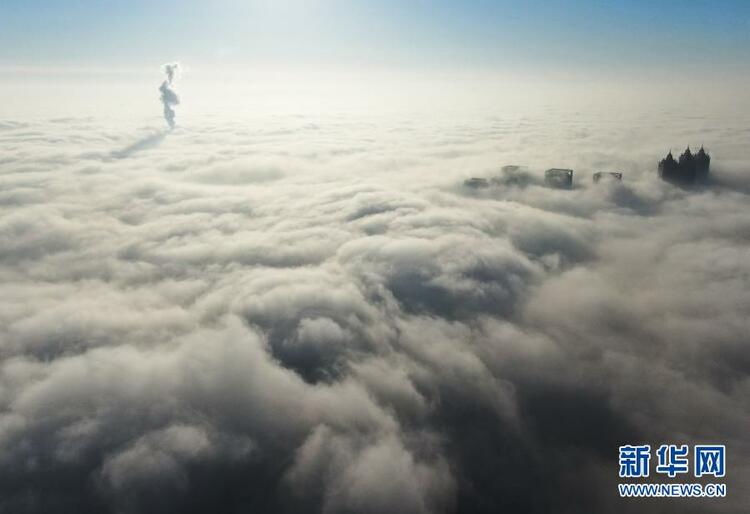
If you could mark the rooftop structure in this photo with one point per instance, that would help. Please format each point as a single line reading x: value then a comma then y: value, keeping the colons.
x: 688, y: 169
x: 559, y: 178
x: 607, y: 176
x: 476, y: 183
x: 513, y: 176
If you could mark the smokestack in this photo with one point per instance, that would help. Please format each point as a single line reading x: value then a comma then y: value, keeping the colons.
x: 169, y: 97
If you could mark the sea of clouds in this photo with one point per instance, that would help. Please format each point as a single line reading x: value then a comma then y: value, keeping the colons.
x: 313, y: 314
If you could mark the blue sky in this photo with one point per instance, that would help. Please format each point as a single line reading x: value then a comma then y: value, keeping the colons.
x: 532, y: 35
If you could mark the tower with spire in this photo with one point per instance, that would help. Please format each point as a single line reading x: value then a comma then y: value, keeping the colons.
x: 668, y: 168
x: 687, y: 169
x: 702, y: 162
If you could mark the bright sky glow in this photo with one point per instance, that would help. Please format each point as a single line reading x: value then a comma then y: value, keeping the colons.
x: 552, y: 34
x: 108, y: 52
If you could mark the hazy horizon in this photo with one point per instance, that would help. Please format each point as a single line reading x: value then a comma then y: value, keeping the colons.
x: 388, y: 52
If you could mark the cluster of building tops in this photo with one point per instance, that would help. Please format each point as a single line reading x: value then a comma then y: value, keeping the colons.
x: 558, y: 178
x: 688, y: 169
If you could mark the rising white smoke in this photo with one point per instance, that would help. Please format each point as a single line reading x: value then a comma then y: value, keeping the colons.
x: 168, y: 95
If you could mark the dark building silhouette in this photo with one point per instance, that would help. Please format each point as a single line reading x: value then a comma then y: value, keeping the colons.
x: 687, y: 169
x: 559, y: 178
x: 476, y: 183
x: 702, y: 162
x: 513, y: 175
x: 607, y: 175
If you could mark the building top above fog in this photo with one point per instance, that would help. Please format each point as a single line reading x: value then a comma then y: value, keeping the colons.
x: 687, y: 169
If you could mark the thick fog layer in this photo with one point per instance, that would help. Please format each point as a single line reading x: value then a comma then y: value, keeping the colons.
x: 291, y: 314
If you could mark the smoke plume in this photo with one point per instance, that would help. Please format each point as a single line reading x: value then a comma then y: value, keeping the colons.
x: 168, y: 95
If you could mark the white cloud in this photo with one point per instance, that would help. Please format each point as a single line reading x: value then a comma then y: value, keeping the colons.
x: 315, y: 314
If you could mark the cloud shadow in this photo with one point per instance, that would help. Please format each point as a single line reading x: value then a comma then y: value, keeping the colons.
x: 145, y: 143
